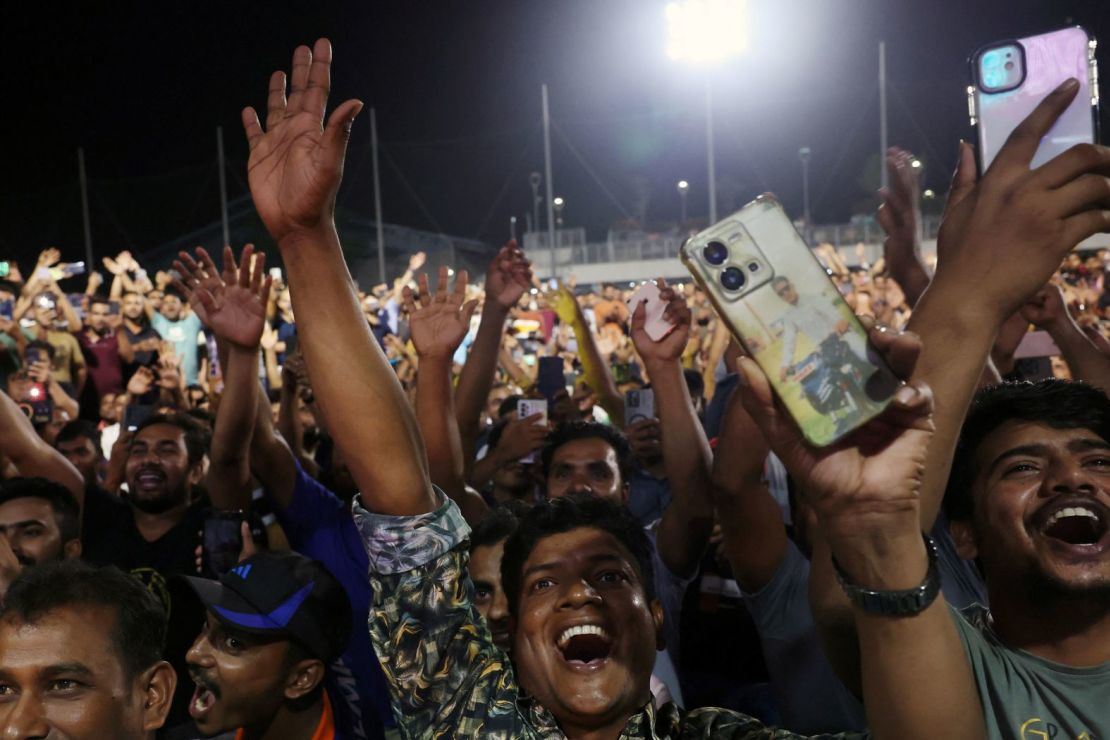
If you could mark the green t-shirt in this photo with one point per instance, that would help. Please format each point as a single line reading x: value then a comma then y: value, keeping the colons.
x: 1029, y: 698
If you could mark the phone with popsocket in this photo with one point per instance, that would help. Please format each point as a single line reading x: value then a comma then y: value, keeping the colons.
x: 526, y: 407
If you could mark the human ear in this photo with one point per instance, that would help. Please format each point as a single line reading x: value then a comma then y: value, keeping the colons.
x: 303, y: 678
x: 158, y: 684
x: 71, y: 550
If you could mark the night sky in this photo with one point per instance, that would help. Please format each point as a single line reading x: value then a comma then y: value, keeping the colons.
x: 456, y: 88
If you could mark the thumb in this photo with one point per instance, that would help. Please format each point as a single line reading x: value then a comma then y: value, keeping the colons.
x: 338, y: 130
x: 639, y: 316
x: 963, y: 179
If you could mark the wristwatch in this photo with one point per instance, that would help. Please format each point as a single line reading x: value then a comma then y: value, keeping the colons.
x: 895, y: 603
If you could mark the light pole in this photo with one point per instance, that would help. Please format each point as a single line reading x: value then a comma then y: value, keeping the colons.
x: 535, y: 179
x: 707, y: 31
x: 683, y: 188
x: 558, y: 204
x: 803, y: 154
x: 512, y: 228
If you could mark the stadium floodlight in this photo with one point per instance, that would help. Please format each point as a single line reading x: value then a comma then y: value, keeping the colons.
x: 702, y: 31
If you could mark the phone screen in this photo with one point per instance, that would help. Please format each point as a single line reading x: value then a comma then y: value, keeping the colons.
x: 7, y: 308
x: 134, y: 416
x: 550, y: 377
x: 5, y: 268
x: 223, y: 540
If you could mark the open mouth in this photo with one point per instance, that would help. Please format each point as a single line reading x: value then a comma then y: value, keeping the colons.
x: 205, y: 697
x: 1079, y: 524
x: 150, y: 478
x: 584, y: 646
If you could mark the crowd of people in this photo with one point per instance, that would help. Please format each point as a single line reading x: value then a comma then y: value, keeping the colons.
x: 252, y: 503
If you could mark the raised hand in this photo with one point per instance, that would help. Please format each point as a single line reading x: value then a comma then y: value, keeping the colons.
x: 236, y: 310
x: 521, y: 437
x: 900, y: 217
x: 95, y: 281
x: 1046, y: 308
x: 509, y: 275
x: 296, y: 163
x: 417, y: 261
x: 140, y: 383
x: 674, y: 343
x: 49, y: 257
x: 169, y: 371
x: 1007, y: 233
x: 872, y: 473
x: 440, y: 321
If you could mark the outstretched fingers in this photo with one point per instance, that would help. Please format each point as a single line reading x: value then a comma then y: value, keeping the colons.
x: 298, y: 80
x: 275, y: 100
x: 1022, y: 144
x: 319, y: 80
x: 251, y: 127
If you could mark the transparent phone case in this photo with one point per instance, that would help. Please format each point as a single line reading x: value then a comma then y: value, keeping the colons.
x: 780, y: 303
x: 1049, y: 59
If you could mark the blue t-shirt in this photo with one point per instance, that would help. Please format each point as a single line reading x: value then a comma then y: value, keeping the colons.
x: 183, y: 335
x: 320, y: 526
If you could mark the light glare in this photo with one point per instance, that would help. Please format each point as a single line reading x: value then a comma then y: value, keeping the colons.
x: 706, y: 30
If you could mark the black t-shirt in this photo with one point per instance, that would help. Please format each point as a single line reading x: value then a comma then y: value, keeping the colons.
x: 109, y: 536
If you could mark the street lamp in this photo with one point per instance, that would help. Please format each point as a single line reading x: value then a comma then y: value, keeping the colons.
x: 916, y: 164
x: 535, y: 179
x: 803, y: 154
x: 928, y: 194
x: 683, y: 188
x: 701, y: 32
x: 557, y: 202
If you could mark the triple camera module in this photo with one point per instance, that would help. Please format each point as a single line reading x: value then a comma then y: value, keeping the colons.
x: 732, y: 277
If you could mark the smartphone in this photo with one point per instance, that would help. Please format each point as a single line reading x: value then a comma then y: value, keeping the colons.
x: 550, y: 380
x: 5, y: 268
x: 135, y: 414
x: 655, y: 325
x: 67, y: 270
x: 7, y: 308
x: 1010, y: 78
x: 526, y: 407
x: 639, y: 405
x: 779, y: 302
x: 223, y: 540
x: 35, y: 354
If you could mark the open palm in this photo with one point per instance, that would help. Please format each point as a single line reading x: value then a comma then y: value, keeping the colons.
x: 296, y: 164
x: 509, y: 275
x: 439, y: 323
x: 233, y: 305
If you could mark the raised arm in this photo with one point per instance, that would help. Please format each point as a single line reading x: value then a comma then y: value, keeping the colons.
x: 865, y: 491
x: 688, y: 521
x: 595, y: 368
x: 900, y: 217
x: 438, y: 322
x: 30, y: 454
x: 509, y: 275
x: 294, y: 171
x: 754, y: 533
x: 1046, y: 310
x: 1000, y: 241
x: 233, y: 307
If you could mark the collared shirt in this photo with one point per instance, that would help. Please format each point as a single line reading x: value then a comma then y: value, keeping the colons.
x: 446, y: 677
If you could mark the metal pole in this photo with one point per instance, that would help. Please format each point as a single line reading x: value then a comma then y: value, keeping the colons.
x: 547, y: 179
x: 512, y: 228
x: 223, y: 183
x: 882, y: 114
x: 709, y: 152
x: 89, y: 265
x: 804, y: 156
x: 377, y: 196
x: 682, y: 193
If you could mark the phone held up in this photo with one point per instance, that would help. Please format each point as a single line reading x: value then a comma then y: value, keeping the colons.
x: 526, y: 407
x: 222, y: 540
x: 1010, y: 78
x: 779, y: 302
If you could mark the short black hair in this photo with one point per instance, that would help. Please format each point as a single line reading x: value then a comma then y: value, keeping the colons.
x: 42, y: 344
x: 498, y: 524
x: 575, y: 430
x: 61, y: 500
x: 1060, y: 404
x: 79, y: 428
x: 567, y: 513
x: 695, y: 383
x: 139, y: 634
x: 172, y: 290
x: 197, y: 436
x: 99, y: 299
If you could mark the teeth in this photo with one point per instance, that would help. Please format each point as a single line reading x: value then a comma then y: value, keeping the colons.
x: 1071, y: 511
x: 582, y: 629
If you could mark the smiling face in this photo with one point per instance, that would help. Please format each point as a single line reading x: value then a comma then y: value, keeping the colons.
x: 1042, y: 508
x: 158, y: 469
x: 585, y: 634
x: 60, y: 677
x: 241, y: 679
x: 171, y: 306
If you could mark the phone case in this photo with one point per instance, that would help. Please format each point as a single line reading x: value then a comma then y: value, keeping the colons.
x: 1049, y: 59
x: 655, y: 325
x: 780, y: 303
x: 639, y: 405
x: 525, y: 407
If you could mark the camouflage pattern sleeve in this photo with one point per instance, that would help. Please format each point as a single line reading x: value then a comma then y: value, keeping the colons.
x: 446, y: 676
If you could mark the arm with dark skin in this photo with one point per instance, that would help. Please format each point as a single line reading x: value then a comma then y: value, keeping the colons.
x: 438, y: 324
x: 684, y: 530
x: 235, y: 311
x: 294, y: 171
x: 30, y: 455
x: 754, y: 534
x: 1046, y: 310
x: 508, y: 277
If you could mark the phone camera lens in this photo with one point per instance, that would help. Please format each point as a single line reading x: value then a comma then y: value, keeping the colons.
x: 753, y: 267
x: 733, y: 278
x: 715, y: 253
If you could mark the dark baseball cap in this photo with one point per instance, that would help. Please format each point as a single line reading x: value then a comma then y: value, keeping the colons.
x: 281, y: 595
